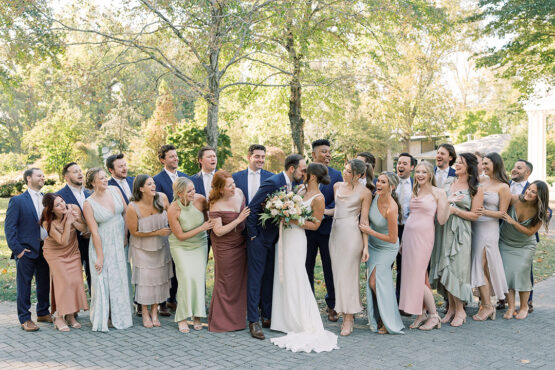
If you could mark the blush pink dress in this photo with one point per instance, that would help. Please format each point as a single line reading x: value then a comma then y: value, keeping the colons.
x: 417, y: 246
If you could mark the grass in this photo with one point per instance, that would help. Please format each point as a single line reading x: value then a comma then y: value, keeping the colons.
x: 544, y: 267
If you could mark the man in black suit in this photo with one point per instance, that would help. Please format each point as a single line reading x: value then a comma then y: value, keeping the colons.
x: 261, y: 245
x: 25, y: 239
x: 117, y: 165
x: 75, y: 193
x: 405, y: 166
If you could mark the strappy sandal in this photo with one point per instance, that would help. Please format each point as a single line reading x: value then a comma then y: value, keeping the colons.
x: 63, y: 327
x: 197, y: 325
x: 183, y: 329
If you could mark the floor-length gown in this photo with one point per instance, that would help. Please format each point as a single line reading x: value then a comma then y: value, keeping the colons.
x: 517, y: 251
x: 485, y: 236
x: 151, y: 259
x: 294, y: 307
x: 67, y: 289
x: 110, y: 288
x: 451, y: 257
x: 346, y: 252
x: 190, y: 258
x: 382, y: 305
x: 417, y: 246
x: 228, y: 307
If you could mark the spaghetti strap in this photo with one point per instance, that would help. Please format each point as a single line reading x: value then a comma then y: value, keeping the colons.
x: 136, y: 209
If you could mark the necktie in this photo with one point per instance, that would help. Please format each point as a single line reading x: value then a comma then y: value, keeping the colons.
x: 439, y: 178
x: 43, y: 233
x: 207, y: 183
x: 37, y: 205
x: 125, y: 186
x: 254, y: 184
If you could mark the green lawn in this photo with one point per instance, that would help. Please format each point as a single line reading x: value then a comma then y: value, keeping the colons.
x: 544, y: 267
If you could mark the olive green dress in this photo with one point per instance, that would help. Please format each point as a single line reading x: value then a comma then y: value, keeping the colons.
x: 190, y: 258
x: 450, y: 264
x: 517, y: 251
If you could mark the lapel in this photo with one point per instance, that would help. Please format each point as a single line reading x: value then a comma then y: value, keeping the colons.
x: 525, y: 187
x: 70, y: 197
x: 31, y: 204
x: 113, y: 182
x: 166, y: 178
x: 200, y: 182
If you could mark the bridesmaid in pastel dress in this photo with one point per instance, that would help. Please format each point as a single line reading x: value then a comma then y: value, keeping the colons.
x: 517, y: 243
x: 418, y: 242
x: 383, y: 246
x: 61, y: 250
x: 348, y: 245
x: 188, y: 219
x: 451, y: 258
x: 103, y: 210
x: 149, y: 249
x: 487, y: 273
x: 228, y: 307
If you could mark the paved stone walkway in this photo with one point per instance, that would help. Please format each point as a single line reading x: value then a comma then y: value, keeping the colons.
x: 493, y: 344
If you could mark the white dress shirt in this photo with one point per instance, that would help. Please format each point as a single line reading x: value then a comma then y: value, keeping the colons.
x: 79, y: 194
x: 173, y: 175
x: 253, y: 180
x: 287, y: 181
x: 36, y: 196
x: 125, y: 187
x: 441, y: 176
x: 517, y: 187
x: 404, y: 192
x: 207, y: 181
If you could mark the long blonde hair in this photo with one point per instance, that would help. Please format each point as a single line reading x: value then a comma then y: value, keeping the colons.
x: 429, y: 170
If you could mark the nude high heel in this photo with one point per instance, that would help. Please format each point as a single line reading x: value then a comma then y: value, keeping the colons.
x: 491, y: 314
x: 427, y: 326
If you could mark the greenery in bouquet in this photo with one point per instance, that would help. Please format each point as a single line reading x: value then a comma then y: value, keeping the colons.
x: 284, y: 206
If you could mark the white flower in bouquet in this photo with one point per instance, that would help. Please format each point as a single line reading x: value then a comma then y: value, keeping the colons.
x: 278, y: 204
x: 274, y: 212
x: 297, y: 199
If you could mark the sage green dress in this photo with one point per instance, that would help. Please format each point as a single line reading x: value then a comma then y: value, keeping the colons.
x: 517, y: 251
x: 383, y: 305
x: 450, y: 265
x: 190, y: 258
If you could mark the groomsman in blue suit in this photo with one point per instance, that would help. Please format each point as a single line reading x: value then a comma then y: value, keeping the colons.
x: 261, y: 243
x: 445, y: 158
x: 167, y: 154
x: 249, y: 180
x: 207, y: 161
x: 405, y: 166
x: 75, y: 193
x: 117, y: 165
x: 319, y: 239
x: 25, y: 239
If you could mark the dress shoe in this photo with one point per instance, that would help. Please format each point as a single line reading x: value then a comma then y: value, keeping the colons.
x: 171, y: 305
x: 45, y: 318
x: 266, y: 323
x: 501, y: 304
x: 332, y: 315
x: 530, y: 307
x: 403, y: 313
x: 256, y: 331
x: 163, y: 311
x: 29, y: 325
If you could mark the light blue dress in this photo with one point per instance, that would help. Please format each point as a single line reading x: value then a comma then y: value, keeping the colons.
x: 110, y: 289
x: 383, y: 305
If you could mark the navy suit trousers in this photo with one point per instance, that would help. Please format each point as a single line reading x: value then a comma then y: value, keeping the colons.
x: 26, y: 268
x: 260, y: 278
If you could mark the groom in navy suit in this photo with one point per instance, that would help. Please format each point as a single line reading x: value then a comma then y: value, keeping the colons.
x: 319, y: 239
x: 249, y: 180
x: 75, y: 193
x: 25, y: 238
x: 261, y: 245
x: 167, y: 154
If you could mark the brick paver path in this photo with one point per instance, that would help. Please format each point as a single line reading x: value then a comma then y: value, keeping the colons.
x: 493, y: 344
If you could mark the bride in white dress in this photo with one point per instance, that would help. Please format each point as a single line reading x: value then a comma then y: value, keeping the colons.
x: 294, y: 307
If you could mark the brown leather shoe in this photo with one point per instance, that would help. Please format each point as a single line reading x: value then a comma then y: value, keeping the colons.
x: 29, y: 325
x: 266, y: 323
x: 256, y: 331
x: 530, y: 307
x: 171, y: 305
x: 163, y: 311
x: 45, y: 318
x: 332, y: 315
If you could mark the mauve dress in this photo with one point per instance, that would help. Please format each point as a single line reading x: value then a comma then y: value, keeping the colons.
x: 66, y: 274
x: 228, y: 308
x: 417, y: 246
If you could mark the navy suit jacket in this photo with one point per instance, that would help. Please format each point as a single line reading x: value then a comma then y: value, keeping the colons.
x: 329, y: 196
x: 164, y: 183
x: 129, y: 180
x: 22, y: 227
x: 270, y: 231
x: 451, y: 172
x: 241, y: 179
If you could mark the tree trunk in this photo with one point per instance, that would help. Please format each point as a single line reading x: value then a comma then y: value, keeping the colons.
x: 296, y: 120
x: 213, y: 100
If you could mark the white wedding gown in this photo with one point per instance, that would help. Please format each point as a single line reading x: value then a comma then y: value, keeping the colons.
x: 294, y: 308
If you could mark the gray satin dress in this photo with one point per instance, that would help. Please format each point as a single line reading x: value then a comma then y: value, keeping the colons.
x: 517, y: 251
x: 383, y: 305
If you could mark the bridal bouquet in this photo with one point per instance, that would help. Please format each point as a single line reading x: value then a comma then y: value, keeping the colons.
x: 283, y: 206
